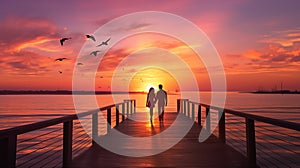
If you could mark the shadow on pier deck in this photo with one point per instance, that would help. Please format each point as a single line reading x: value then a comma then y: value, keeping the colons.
x: 187, y: 153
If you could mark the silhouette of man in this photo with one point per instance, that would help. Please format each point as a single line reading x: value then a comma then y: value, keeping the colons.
x: 162, y: 99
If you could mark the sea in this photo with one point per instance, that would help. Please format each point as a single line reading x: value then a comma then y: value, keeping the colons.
x: 16, y: 110
x: 275, y: 146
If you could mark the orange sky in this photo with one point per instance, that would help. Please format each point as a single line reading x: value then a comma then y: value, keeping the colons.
x: 259, y: 50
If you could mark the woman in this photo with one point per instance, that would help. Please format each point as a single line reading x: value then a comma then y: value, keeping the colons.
x: 150, y: 101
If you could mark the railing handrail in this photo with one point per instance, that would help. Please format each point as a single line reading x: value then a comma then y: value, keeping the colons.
x: 35, y: 126
x: 268, y: 120
x: 9, y: 137
x: 50, y: 122
x: 183, y: 105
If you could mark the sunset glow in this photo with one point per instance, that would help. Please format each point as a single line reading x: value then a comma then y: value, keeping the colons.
x: 151, y: 77
x: 258, y: 49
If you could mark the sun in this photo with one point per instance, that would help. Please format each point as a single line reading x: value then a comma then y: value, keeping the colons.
x: 148, y: 86
x: 144, y: 79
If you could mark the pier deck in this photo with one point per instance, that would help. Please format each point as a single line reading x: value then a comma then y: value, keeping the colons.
x: 187, y: 153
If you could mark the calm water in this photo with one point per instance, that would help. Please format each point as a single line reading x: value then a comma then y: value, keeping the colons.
x: 21, y: 109
x: 16, y: 110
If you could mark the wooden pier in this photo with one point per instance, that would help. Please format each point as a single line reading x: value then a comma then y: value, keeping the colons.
x: 187, y: 153
x: 59, y: 145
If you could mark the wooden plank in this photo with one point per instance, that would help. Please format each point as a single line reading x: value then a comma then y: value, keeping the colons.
x: 187, y: 153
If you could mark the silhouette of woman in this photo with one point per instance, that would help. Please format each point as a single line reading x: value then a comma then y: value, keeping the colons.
x: 150, y: 101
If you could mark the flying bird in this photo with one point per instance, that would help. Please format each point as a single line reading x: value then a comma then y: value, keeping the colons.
x: 62, y: 40
x: 60, y: 59
x: 95, y: 52
x: 90, y: 37
x: 103, y: 43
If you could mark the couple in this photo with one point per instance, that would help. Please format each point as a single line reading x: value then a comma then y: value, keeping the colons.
x: 161, y: 98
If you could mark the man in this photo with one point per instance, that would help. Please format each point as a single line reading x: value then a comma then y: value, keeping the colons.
x: 162, y: 99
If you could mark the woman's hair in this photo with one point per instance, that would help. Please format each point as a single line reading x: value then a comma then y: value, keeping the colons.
x: 151, y: 89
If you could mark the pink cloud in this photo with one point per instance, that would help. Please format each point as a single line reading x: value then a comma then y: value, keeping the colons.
x: 271, y: 58
x: 30, y: 45
x: 16, y: 30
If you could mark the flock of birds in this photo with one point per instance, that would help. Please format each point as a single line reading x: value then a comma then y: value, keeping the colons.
x: 91, y: 37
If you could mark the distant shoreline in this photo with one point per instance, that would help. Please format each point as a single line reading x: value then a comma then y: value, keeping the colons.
x: 62, y: 92
x: 274, y: 92
x: 69, y: 92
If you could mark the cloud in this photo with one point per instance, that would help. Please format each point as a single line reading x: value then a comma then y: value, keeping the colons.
x: 138, y: 45
x: 30, y: 46
x: 26, y: 62
x: 18, y: 65
x: 295, y: 59
x: 111, y: 60
x: 17, y: 30
x: 115, y: 55
x: 282, y: 37
x: 131, y: 26
x: 39, y: 34
x: 279, y: 58
x: 99, y: 22
x: 274, y: 52
x: 273, y: 57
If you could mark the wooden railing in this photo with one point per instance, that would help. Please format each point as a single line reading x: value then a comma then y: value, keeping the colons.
x: 188, y: 108
x: 9, y: 137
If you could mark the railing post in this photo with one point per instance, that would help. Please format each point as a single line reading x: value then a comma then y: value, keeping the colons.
x: 178, y: 105
x: 123, y: 112
x: 8, y: 150
x: 193, y: 112
x: 188, y: 109
x: 184, y: 107
x: 127, y: 108
x: 222, y: 129
x: 108, y: 119
x: 134, y: 106
x: 117, y: 114
x: 94, y: 127
x: 67, y: 143
x: 250, y: 140
x: 199, y: 114
x: 207, y: 119
x: 131, y: 106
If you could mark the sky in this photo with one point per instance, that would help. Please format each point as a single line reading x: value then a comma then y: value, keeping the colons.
x: 258, y: 43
